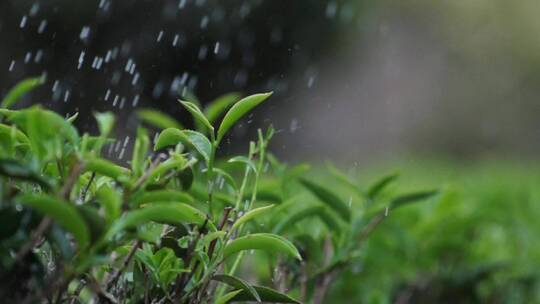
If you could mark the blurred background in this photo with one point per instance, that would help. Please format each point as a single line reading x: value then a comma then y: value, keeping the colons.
x: 354, y: 80
x: 445, y: 90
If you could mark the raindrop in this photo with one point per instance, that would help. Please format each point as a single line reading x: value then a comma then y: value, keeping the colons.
x: 294, y: 125
x: 12, y: 65
x: 23, y: 21
x: 331, y: 9
x: 39, y: 55
x: 310, y: 82
x: 107, y: 94
x: 42, y: 26
x: 55, y: 85
x: 386, y: 211
x: 85, y: 32
x: 182, y: 4
x: 203, y: 51
x: 204, y: 22
x: 122, y: 102
x: 160, y: 35
x: 66, y: 95
x: 135, y: 79
x: 115, y: 101
x: 81, y: 60
x: 27, y: 57
x: 135, y: 100
x: 34, y: 9
x: 175, y: 40
x: 216, y: 47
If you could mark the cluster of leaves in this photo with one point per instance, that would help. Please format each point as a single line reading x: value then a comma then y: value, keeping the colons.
x: 175, y: 224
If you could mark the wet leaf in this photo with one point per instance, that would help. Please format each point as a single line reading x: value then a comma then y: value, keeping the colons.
x: 267, y: 295
x: 238, y: 110
x: 62, y: 212
x: 238, y: 284
x: 158, y: 119
x: 262, y: 241
x: 22, y: 88
x: 250, y: 215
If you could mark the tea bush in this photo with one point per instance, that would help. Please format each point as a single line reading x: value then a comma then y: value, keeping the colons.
x: 176, y: 224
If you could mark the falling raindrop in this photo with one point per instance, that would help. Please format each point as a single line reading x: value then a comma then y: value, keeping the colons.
x: 42, y: 26
x: 12, y: 65
x: 85, y: 32
x: 23, y: 21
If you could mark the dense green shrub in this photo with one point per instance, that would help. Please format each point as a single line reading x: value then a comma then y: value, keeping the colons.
x: 175, y: 224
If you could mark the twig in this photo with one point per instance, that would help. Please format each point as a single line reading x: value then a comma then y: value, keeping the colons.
x: 85, y: 191
x: 125, y: 264
x: 371, y: 226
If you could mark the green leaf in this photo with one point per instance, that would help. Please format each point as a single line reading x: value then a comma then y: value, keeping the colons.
x: 14, y: 169
x: 295, y: 217
x: 380, y: 185
x: 161, y: 196
x: 267, y: 295
x: 329, y: 198
x: 158, y: 119
x: 72, y: 118
x: 111, y: 202
x: 105, y: 122
x: 200, y: 143
x: 226, y: 298
x: 197, y: 114
x: 193, y: 139
x: 261, y: 241
x: 46, y: 130
x: 20, y: 90
x: 12, y: 132
x: 62, y: 212
x: 140, y: 152
x: 238, y: 284
x: 168, y: 213
x: 220, y: 105
x: 412, y: 198
x: 238, y: 110
x: 226, y: 176
x: 105, y: 168
x: 251, y: 215
x: 244, y: 160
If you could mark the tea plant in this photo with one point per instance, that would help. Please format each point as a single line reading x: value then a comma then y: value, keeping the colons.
x: 175, y: 224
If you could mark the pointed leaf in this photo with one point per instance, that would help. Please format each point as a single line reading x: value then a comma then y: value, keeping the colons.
x: 267, y: 295
x: 193, y: 139
x: 238, y: 284
x: 158, y: 119
x: 161, y: 196
x: 329, y: 198
x: 412, y: 198
x: 244, y: 160
x: 62, y: 212
x: 169, y: 213
x: 380, y: 185
x: 14, y: 169
x: 252, y: 214
x: 226, y: 298
x: 262, y: 241
x: 219, y: 106
x: 238, y: 110
x: 105, y: 168
x: 197, y: 114
x: 295, y: 217
x: 20, y: 90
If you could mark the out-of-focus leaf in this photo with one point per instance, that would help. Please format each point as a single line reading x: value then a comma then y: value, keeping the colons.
x: 261, y: 241
x: 140, y: 151
x: 379, y: 185
x: 238, y: 110
x: 105, y: 121
x: 105, y: 168
x: 238, y: 284
x: 267, y: 295
x: 252, y: 214
x: 62, y: 212
x: 158, y: 119
x: 16, y: 170
x: 244, y: 160
x: 111, y: 202
x: 161, y: 196
x: 226, y: 298
x: 72, y: 118
x: 94, y: 222
x: 293, y: 218
x: 20, y: 90
x: 169, y: 213
x: 412, y: 198
x: 217, y: 107
x: 329, y: 198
